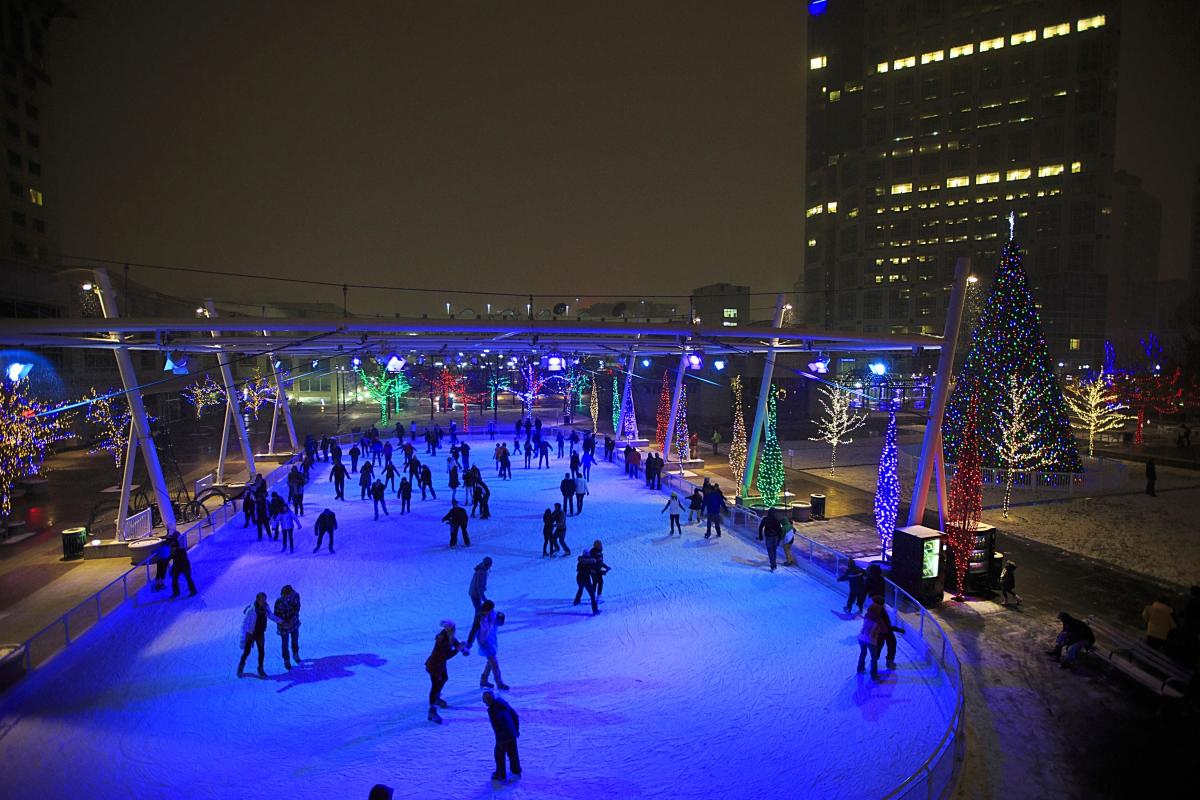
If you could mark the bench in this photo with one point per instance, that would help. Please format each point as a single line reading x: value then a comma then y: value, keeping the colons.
x: 1138, y: 660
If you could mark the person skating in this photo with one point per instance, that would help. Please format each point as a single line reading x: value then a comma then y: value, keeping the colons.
x: 365, y: 476
x: 561, y: 442
x: 872, y: 634
x: 161, y: 559
x: 477, y: 591
x: 388, y: 452
x: 856, y: 578
x: 326, y: 523
x: 452, y: 479
x: 543, y: 453
x: 696, y: 506
x: 585, y: 579
x: 529, y: 454
x: 581, y: 490
x: 457, y: 517
x: 354, y: 454
x: 287, y: 609
x: 180, y: 565
x: 1076, y: 635
x: 390, y: 473
x: 575, y: 464
x: 288, y: 522
x: 254, y: 628
x: 275, y: 507
x: 405, y: 495
x: 599, y: 568
x: 464, y: 450
x: 567, y: 488
x: 549, y: 543
x: 426, y: 482
x: 337, y: 474
x: 445, y: 647
x: 676, y: 508
x: 1008, y: 583
x: 770, y: 529
x: 714, y: 506
x: 789, y: 537
x: 262, y: 515
x: 295, y: 484
x: 560, y: 529
x: 247, y: 507
x: 480, y: 494
x: 586, y: 463
x: 489, y: 621
x: 379, y: 498
x: 507, y: 727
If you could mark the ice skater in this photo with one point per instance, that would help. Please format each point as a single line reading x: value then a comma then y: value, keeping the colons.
x: 567, y: 488
x: 560, y: 530
x: 354, y: 454
x: 676, y: 508
x: 507, y: 727
x: 426, y: 482
x: 696, y: 506
x: 452, y: 479
x: 445, y: 647
x: 288, y: 522
x: 477, y: 591
x: 287, y: 609
x: 180, y: 565
x: 254, y: 628
x: 599, y: 568
x: 771, y: 529
x: 326, y: 523
x: 585, y: 579
x: 390, y: 473
x: 714, y: 506
x: 549, y: 544
x: 405, y: 495
x: 1008, y: 583
x: 364, y: 480
x: 337, y: 474
x: 581, y: 491
x: 379, y: 497
x: 872, y: 635
x: 856, y: 578
x: 457, y: 517
x: 490, y: 620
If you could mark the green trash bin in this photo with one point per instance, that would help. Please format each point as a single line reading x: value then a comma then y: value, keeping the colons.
x: 72, y: 543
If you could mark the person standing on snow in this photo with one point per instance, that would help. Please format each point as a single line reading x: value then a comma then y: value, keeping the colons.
x: 445, y: 647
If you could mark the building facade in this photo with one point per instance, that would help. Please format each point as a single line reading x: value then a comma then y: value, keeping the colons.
x: 722, y: 303
x: 927, y: 122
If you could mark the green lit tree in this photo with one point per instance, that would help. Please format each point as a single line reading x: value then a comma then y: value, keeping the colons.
x: 383, y: 386
x: 770, y: 466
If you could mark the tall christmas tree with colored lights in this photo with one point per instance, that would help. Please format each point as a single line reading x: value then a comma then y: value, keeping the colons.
x: 770, y: 466
x: 616, y: 404
x: 738, y: 447
x: 663, y: 418
x: 887, y: 489
x: 1008, y: 341
x: 682, y: 437
x: 630, y: 418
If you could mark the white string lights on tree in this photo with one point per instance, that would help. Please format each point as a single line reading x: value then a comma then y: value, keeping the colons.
x: 1018, y: 441
x: 837, y: 421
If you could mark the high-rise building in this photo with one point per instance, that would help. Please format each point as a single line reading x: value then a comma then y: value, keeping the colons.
x: 725, y: 304
x: 1133, y: 263
x: 929, y: 121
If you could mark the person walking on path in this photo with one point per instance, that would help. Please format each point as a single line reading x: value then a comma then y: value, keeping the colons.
x: 1076, y: 635
x: 676, y: 508
x: 426, y: 482
x: 567, y: 488
x: 337, y: 474
x: 489, y: 621
x: 287, y: 609
x: 477, y: 591
x: 354, y: 454
x: 1151, y: 477
x: 405, y: 495
x: 585, y: 579
x: 507, y: 727
x: 457, y: 517
x: 1008, y: 583
x: 326, y: 523
x: 856, y: 577
x: 254, y: 628
x: 445, y: 647
x: 379, y: 498
x: 872, y: 634
x: 560, y: 530
x: 288, y: 522
x: 180, y: 565
x: 549, y: 543
x: 714, y: 506
x: 716, y: 442
x: 771, y: 529
x: 1160, y: 622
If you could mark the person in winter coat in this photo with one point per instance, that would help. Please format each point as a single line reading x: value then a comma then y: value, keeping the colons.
x: 529, y: 454
x: 575, y: 463
x: 696, y: 507
x: 1160, y: 621
x: 452, y: 482
x: 586, y: 463
x: 599, y: 568
x: 379, y: 496
x: 457, y: 517
x: 390, y: 473
x: 789, y: 538
x: 426, y: 482
x: 275, y: 507
x: 405, y: 495
x: 477, y: 591
x: 295, y: 484
x: 585, y: 579
x: 560, y: 529
x: 288, y: 522
x: 337, y: 474
x: 445, y: 647
x: 507, y: 727
x: 581, y: 490
x: 262, y: 515
x: 856, y: 577
x: 770, y: 529
x: 287, y: 609
x: 873, y: 583
x: 567, y: 488
x: 549, y: 543
x: 354, y: 454
x: 714, y: 505
x: 1008, y: 583
x: 180, y: 565
x: 490, y: 620
x: 676, y: 508
x: 326, y: 523
x: 247, y: 507
x: 365, y: 476
x: 254, y: 628
x: 873, y: 633
x: 1075, y: 635
x: 480, y: 494
x: 161, y: 558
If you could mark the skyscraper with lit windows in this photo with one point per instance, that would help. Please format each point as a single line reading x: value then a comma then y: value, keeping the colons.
x: 927, y: 122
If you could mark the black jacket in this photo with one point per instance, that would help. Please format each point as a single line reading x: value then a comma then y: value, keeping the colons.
x: 457, y: 515
x: 326, y: 522
x: 567, y: 486
x: 505, y: 722
x: 770, y: 526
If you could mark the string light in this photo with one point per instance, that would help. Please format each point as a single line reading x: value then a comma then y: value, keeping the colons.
x: 383, y: 385
x: 1019, y: 446
x: 111, y: 417
x: 256, y: 393
x: 837, y: 422
x: 965, y: 503
x: 630, y: 417
x: 682, y: 435
x: 738, y: 447
x: 204, y: 393
x: 495, y: 385
x: 1009, y: 341
x: 594, y: 407
x: 616, y: 405
x: 532, y: 381
x: 663, y: 417
x: 1096, y: 406
x: 770, y: 467
x: 25, y: 433
x: 887, y: 489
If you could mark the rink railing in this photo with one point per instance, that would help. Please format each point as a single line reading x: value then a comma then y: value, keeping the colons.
x: 937, y: 776
x: 62, y: 632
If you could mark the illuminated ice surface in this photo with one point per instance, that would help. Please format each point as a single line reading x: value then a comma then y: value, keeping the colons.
x: 705, y: 676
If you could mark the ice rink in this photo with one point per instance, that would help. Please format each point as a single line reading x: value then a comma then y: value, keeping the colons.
x: 705, y: 675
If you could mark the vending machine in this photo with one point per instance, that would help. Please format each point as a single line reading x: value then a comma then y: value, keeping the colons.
x: 917, y: 554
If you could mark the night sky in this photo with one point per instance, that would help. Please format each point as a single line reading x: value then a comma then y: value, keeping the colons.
x: 566, y: 148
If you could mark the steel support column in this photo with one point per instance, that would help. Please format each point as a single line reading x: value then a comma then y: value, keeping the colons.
x: 281, y: 404
x: 760, y: 413
x: 231, y: 398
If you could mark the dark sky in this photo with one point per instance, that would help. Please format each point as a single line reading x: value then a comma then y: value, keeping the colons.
x: 564, y: 147
x: 570, y: 148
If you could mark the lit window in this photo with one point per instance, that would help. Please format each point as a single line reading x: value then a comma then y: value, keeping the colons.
x: 730, y: 313
x: 901, y: 188
x: 936, y: 55
x: 957, y: 181
x: 991, y: 44
x: 901, y: 63
x: 1018, y: 174
x: 1050, y: 170
x: 882, y: 66
x: 817, y: 62
x: 36, y: 197
x: 835, y: 95
x: 1024, y: 37
x: 831, y: 206
x: 1072, y: 344
x: 962, y: 50
x: 1076, y: 166
x: 812, y: 212
x: 1050, y: 31
x: 812, y: 242
x: 987, y: 177
x: 1090, y: 22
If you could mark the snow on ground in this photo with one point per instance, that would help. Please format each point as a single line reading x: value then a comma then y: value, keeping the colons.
x: 704, y: 676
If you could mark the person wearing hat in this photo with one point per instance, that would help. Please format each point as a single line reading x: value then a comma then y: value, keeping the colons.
x: 675, y: 512
x: 506, y: 724
x: 445, y: 647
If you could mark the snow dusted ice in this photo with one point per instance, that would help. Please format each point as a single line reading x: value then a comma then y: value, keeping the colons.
x: 705, y: 676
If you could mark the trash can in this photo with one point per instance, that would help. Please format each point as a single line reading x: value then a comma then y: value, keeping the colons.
x: 72, y: 543
x: 817, y: 501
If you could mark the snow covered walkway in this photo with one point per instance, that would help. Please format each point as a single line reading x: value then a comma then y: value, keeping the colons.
x: 705, y: 675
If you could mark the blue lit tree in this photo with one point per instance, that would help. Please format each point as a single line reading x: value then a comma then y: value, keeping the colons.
x: 887, y: 489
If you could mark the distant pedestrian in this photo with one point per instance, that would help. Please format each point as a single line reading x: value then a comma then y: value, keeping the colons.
x: 326, y: 523
x: 507, y: 727
x: 856, y: 577
x: 490, y: 621
x: 254, y: 628
x: 1151, y: 477
x: 1008, y: 583
x: 445, y: 647
x: 676, y: 508
x: 287, y: 609
x: 716, y: 442
x: 1160, y: 622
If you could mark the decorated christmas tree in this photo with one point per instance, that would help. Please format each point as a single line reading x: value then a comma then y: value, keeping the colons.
x: 26, y: 430
x: 770, y: 466
x: 682, y: 435
x: 965, y: 499
x: 616, y: 404
x: 887, y: 489
x: 737, y: 448
x: 1008, y: 341
x: 383, y: 385
x: 630, y: 430
x: 594, y: 406
x: 109, y: 415
x: 663, y: 418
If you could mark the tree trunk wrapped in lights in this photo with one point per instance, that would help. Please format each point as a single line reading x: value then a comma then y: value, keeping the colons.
x: 384, y: 386
x: 738, y: 447
x: 531, y: 386
x: 770, y: 466
x: 965, y: 500
x: 204, y: 393
x: 1096, y: 406
x: 109, y: 413
x: 616, y: 405
x: 887, y: 489
x: 594, y: 407
x: 663, y: 418
x: 1019, y: 445
x: 495, y: 385
x: 837, y: 421
x: 26, y: 430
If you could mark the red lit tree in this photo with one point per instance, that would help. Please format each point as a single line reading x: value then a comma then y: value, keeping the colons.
x: 966, y: 497
x: 1158, y: 394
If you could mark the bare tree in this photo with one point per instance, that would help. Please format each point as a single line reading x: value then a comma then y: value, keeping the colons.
x: 1017, y: 440
x: 837, y: 422
x: 1096, y: 407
